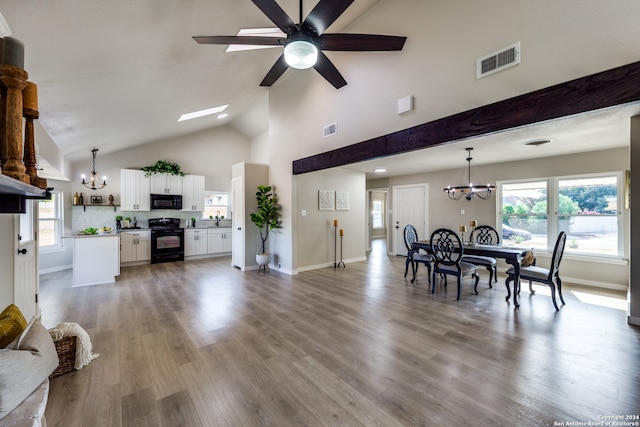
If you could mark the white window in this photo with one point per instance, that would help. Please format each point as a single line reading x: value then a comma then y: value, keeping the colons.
x: 524, y: 214
x: 377, y: 214
x: 586, y: 207
x: 50, y: 222
x: 588, y: 212
x: 218, y: 204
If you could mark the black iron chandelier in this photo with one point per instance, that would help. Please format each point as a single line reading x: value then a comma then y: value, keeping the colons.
x: 470, y: 190
x: 94, y: 175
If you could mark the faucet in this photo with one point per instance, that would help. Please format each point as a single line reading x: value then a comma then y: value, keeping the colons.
x: 218, y: 219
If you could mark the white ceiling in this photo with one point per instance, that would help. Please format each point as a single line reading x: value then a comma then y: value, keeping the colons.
x: 117, y: 74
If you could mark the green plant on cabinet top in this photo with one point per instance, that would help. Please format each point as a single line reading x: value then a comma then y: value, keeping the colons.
x: 162, y: 166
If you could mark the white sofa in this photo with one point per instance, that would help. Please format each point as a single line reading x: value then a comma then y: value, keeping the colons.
x: 24, y: 378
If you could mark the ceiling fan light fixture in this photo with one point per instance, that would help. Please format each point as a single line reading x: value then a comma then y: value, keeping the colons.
x: 301, y: 54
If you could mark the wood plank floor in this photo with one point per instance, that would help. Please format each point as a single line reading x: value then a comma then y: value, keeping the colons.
x: 199, y: 343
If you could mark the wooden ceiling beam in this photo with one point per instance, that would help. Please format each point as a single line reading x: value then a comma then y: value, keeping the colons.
x: 602, y: 90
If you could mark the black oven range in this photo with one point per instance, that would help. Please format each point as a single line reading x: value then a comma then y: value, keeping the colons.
x: 167, y: 240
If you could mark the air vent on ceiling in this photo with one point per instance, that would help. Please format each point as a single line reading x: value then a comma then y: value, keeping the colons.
x: 499, y: 60
x: 329, y: 130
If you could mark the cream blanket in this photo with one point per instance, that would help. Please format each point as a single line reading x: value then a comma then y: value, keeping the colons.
x: 84, y: 348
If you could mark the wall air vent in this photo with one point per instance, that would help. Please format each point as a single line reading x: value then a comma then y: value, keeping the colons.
x: 404, y: 105
x: 329, y: 130
x: 497, y: 61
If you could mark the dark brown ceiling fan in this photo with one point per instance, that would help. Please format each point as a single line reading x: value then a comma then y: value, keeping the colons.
x: 305, y: 41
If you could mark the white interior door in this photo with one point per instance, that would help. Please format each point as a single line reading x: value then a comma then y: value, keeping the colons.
x: 237, y: 223
x: 26, y: 262
x: 409, y: 207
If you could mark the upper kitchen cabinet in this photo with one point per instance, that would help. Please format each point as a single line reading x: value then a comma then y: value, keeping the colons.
x: 193, y: 193
x: 166, y: 183
x: 134, y: 190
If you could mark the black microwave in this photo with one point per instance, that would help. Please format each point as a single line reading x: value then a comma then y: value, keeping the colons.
x: 166, y: 201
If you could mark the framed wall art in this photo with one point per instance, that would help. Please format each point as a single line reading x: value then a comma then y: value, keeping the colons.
x: 342, y: 200
x: 325, y: 200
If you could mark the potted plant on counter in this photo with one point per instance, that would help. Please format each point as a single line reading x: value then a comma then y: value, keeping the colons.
x: 266, y: 219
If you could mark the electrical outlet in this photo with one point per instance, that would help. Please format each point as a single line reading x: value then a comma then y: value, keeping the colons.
x: 461, y: 211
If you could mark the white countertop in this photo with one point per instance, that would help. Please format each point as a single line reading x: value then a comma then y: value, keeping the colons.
x: 80, y: 234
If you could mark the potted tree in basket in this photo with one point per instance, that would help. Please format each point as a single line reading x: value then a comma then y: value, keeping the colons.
x: 266, y: 218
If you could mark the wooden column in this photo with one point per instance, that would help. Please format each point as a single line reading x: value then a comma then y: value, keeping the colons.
x: 3, y: 129
x: 15, y: 79
x: 30, y: 112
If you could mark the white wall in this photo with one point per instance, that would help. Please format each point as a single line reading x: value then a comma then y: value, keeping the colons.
x: 437, y: 67
x: 48, y: 150
x: 6, y: 259
x: 315, y: 232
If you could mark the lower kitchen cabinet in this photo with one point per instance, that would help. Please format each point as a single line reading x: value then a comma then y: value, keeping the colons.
x: 195, y: 242
x: 219, y: 240
x: 135, y: 246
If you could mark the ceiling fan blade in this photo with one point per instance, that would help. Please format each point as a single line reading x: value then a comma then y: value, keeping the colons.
x: 360, y: 42
x: 329, y: 71
x: 324, y: 14
x: 248, y: 40
x: 278, y: 16
x: 275, y: 72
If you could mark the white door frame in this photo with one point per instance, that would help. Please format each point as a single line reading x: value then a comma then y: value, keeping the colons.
x: 387, y: 215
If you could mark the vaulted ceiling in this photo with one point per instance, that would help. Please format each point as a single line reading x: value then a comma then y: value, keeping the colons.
x: 116, y: 74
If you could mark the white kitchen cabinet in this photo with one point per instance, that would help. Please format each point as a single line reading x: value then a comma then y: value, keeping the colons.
x: 134, y: 190
x: 165, y: 183
x: 193, y: 193
x: 219, y: 240
x: 195, y: 242
x: 135, y: 246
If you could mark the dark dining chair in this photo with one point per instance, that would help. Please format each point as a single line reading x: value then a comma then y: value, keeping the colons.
x: 485, y: 235
x: 447, y: 250
x: 548, y: 276
x: 415, y: 257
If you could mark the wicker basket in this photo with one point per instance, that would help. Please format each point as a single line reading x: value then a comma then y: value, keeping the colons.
x: 66, y: 348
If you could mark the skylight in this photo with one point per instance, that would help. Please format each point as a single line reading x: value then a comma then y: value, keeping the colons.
x: 201, y: 113
x: 261, y: 32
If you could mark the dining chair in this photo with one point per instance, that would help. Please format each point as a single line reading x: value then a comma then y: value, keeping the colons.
x: 548, y: 276
x: 415, y: 257
x: 447, y: 250
x: 485, y: 235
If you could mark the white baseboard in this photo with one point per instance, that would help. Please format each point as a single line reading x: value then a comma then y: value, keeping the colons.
x: 329, y: 264
x: 54, y: 269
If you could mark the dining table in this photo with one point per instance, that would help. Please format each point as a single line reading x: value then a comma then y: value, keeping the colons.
x: 512, y: 255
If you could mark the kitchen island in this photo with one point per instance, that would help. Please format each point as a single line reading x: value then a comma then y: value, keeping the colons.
x: 96, y: 258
